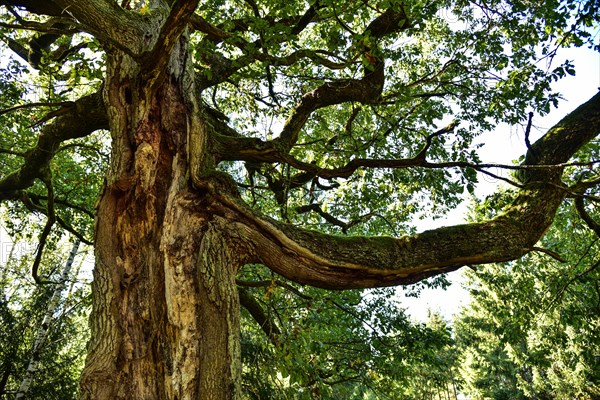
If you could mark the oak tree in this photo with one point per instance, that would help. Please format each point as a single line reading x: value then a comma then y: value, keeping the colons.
x: 301, y: 136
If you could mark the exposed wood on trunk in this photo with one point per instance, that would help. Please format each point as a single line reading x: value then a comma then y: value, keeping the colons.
x: 165, y: 322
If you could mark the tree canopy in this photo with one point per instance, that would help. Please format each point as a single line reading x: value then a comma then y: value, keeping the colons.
x: 304, y: 137
x: 352, y: 118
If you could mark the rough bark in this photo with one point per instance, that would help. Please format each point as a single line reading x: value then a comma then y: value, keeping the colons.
x: 165, y: 321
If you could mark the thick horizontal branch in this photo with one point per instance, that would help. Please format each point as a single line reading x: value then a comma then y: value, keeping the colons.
x: 357, y: 262
x: 85, y: 116
x: 353, y: 262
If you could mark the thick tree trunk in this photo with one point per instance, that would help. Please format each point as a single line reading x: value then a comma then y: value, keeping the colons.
x: 165, y: 322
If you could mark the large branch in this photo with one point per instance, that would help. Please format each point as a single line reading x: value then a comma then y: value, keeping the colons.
x: 365, y: 90
x: 85, y: 116
x: 41, y: 7
x: 356, y: 262
x: 108, y: 22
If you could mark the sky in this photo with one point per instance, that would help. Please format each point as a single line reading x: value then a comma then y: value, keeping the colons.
x: 502, y: 146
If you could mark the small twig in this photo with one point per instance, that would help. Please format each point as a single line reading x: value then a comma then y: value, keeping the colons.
x: 342, y: 23
x: 551, y: 253
x: 39, y: 104
x: 429, y: 140
x: 26, y: 198
x: 582, y: 185
x: 271, y: 85
x: 585, y: 216
x: 527, y: 132
x: 84, y: 146
x: 558, y: 297
x: 501, y: 178
x: 279, y: 283
x: 325, y: 215
x: 350, y: 122
x: 576, y: 277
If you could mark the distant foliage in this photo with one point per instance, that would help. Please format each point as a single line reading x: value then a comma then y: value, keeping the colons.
x: 531, y: 330
x: 22, y: 307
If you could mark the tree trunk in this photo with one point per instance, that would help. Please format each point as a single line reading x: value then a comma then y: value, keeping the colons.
x: 165, y: 320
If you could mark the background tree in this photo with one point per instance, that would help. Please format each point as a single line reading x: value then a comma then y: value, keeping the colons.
x: 333, y: 345
x: 48, y: 319
x: 530, y: 331
x: 237, y: 126
x: 434, y: 373
x: 55, y: 363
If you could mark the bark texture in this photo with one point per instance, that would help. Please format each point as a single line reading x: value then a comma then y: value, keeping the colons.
x: 342, y: 262
x: 165, y: 322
